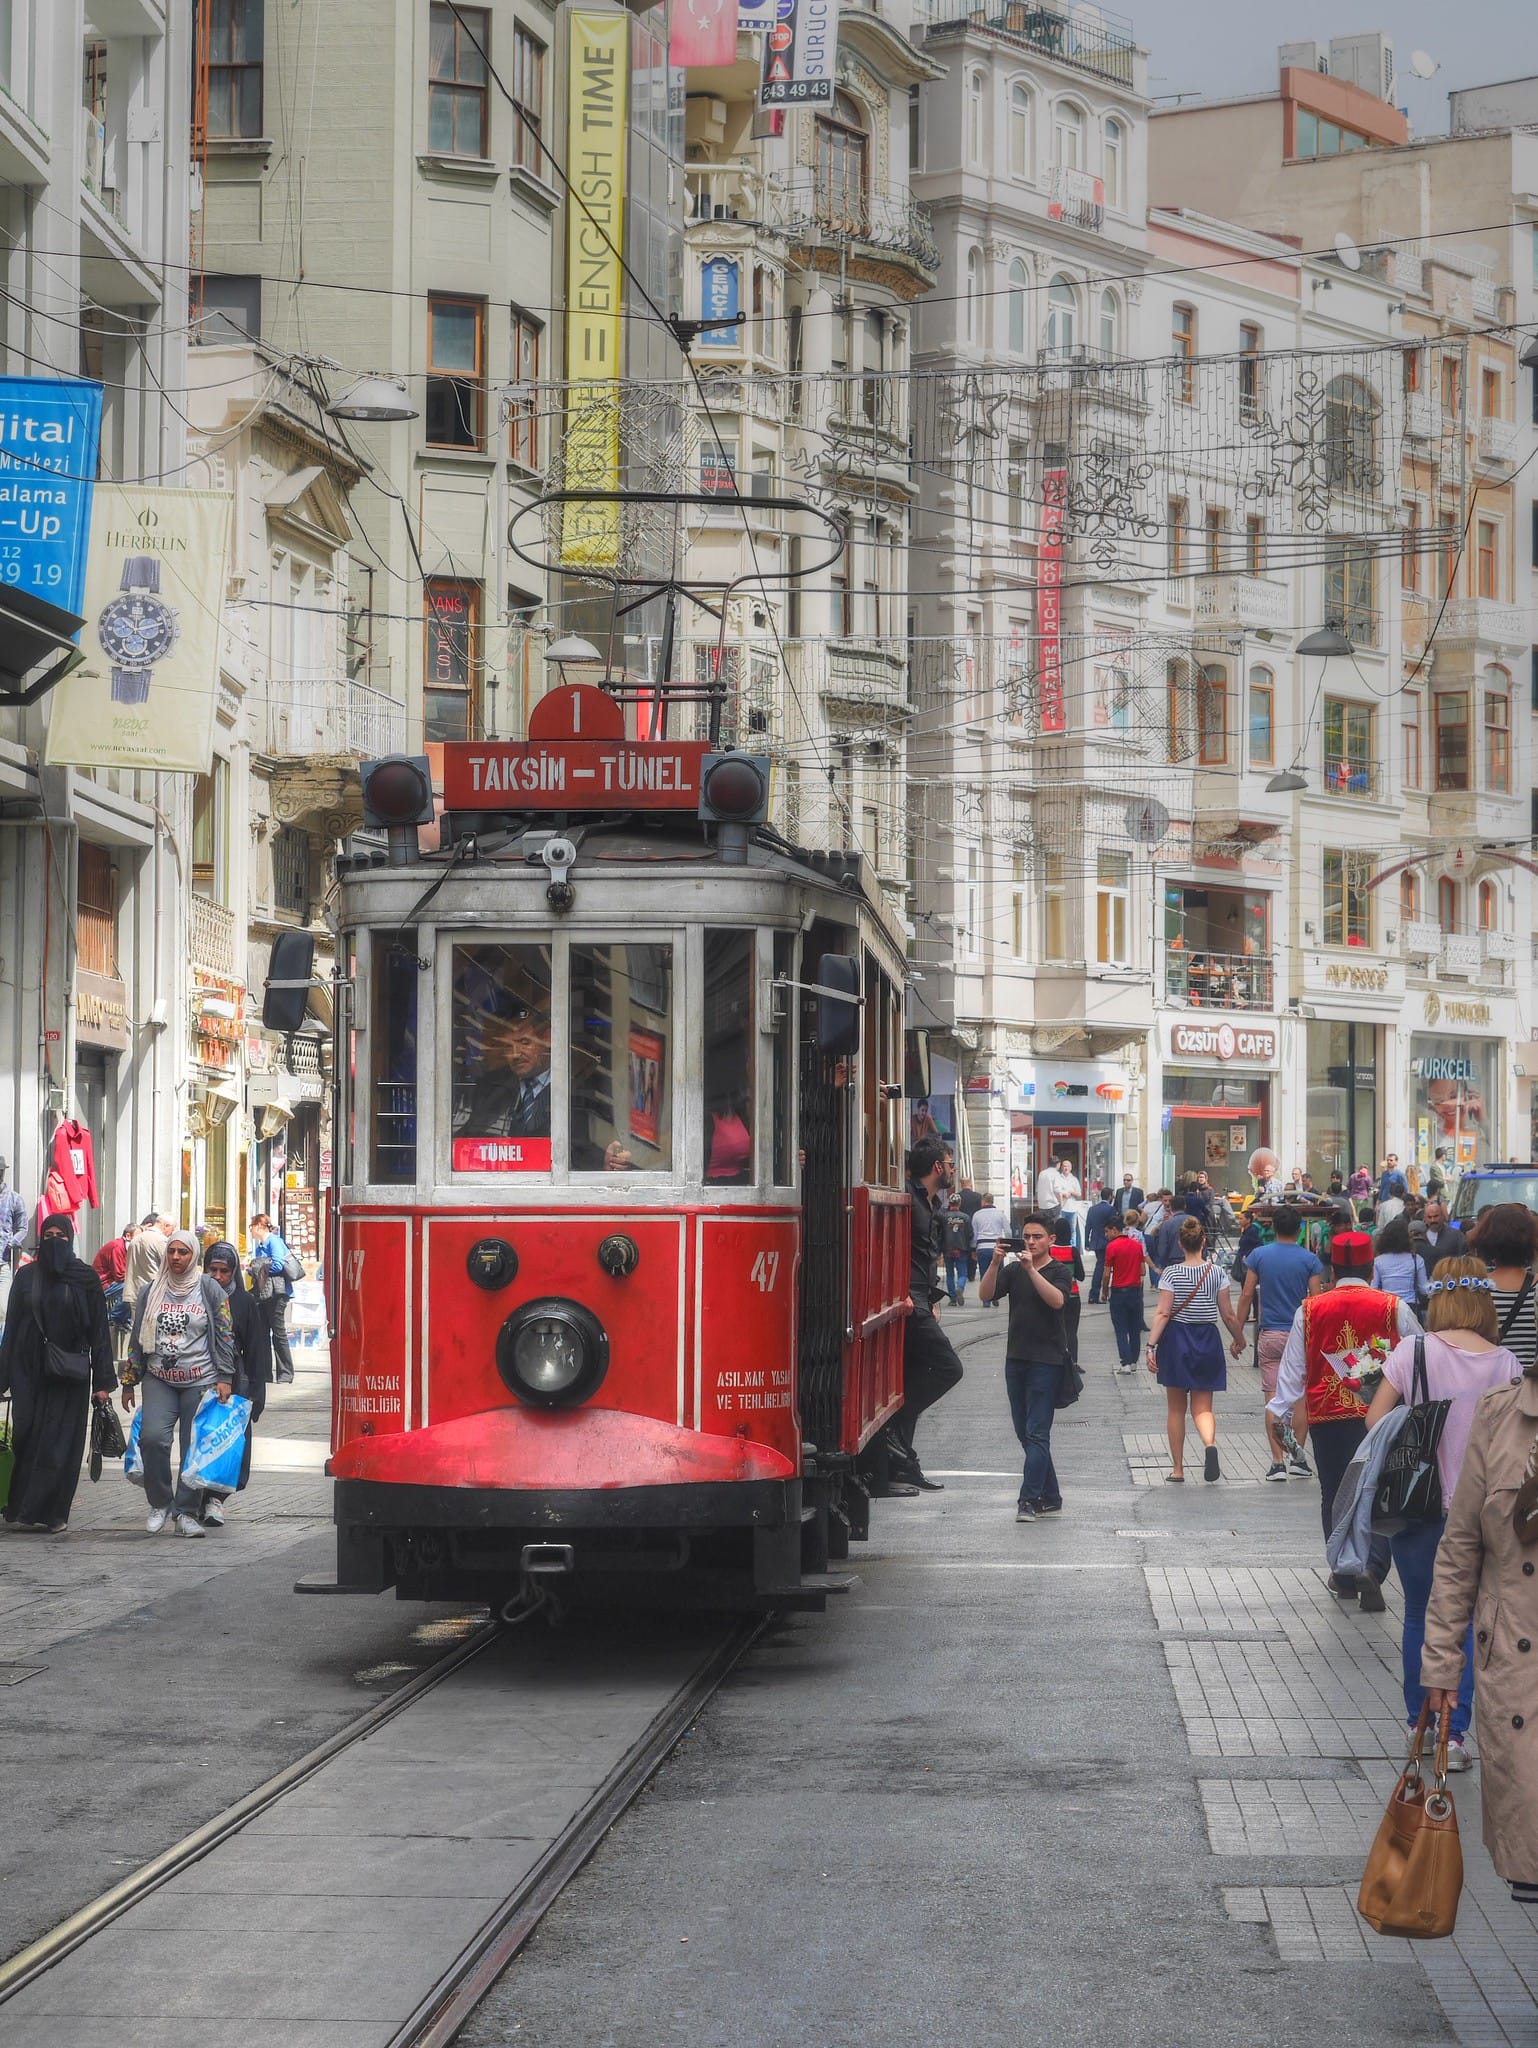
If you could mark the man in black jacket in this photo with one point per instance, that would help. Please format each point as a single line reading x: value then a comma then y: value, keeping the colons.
x: 930, y: 1365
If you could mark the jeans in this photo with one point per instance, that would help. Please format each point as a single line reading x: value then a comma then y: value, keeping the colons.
x: 956, y: 1275
x: 1097, y: 1285
x: 275, y: 1309
x: 1335, y: 1445
x: 168, y: 1412
x: 1415, y: 1556
x: 1127, y: 1321
x: 1033, y: 1393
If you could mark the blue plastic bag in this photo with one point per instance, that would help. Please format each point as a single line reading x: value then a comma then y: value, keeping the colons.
x: 133, y: 1462
x: 217, y: 1444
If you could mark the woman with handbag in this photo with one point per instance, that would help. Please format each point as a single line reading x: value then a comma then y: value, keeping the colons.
x: 183, y: 1343
x: 253, y: 1355
x: 1456, y: 1361
x: 56, y: 1356
x: 1185, y: 1350
x: 1487, y: 1571
x: 1506, y: 1238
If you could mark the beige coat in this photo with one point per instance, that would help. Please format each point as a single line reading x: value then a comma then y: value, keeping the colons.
x: 1484, y: 1572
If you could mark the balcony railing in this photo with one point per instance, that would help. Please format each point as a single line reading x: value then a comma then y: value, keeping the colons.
x: 1462, y: 952
x: 1089, y: 42
x: 1484, y: 620
x: 1500, y: 945
x: 1218, y: 981
x: 1422, y: 414
x: 736, y: 192
x: 211, y: 937
x: 1349, y: 775
x: 333, y: 718
x: 1251, y: 601
x: 876, y: 220
x: 1075, y: 198
x: 1421, y: 939
x: 1500, y: 440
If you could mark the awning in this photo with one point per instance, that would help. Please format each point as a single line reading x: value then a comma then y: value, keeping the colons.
x: 32, y: 633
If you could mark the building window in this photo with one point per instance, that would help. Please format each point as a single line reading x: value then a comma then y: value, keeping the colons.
x: 453, y: 612
x: 1347, y: 902
x: 1017, y: 306
x: 1067, y: 136
x: 1409, y: 548
x: 1262, y: 718
x: 1017, y: 480
x: 1212, y: 714
x: 1022, y: 122
x: 1351, y: 416
x: 234, y: 68
x: 842, y: 166
x: 1255, y: 544
x: 1183, y: 346
x: 1486, y: 560
x: 1447, y: 904
x: 1410, y: 897
x: 1488, y: 907
x: 1110, y: 325
x: 1214, y: 530
x: 973, y: 309
x: 1350, y: 593
x: 1498, y: 732
x: 977, y: 90
x: 1113, y: 877
x: 456, y: 81
x: 1177, y: 705
x: 211, y: 833
x: 1450, y: 709
x: 1175, y: 537
x: 1411, y: 721
x: 1019, y: 907
x: 1452, y: 390
x: 1449, y: 543
x: 528, y: 103
x: 1490, y: 394
x: 718, y: 462
x: 1115, y: 164
x: 1054, y: 908
x: 227, y: 308
x: 96, y: 908
x: 1062, y: 313
x: 456, y: 372
x: 1348, y: 748
x: 1249, y: 373
x: 523, y: 425
x: 291, y: 885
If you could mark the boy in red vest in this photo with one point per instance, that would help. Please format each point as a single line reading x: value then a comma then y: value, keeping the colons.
x: 1335, y: 1338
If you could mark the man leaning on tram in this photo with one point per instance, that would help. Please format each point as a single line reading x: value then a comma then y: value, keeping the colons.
x: 930, y: 1365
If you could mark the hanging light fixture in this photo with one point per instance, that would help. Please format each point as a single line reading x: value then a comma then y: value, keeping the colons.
x: 1326, y: 640
x: 1286, y: 782
x: 373, y: 398
x: 1529, y: 356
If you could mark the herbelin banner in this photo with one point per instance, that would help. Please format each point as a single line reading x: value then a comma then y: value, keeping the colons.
x: 144, y: 695
x: 800, y: 54
x: 597, y: 112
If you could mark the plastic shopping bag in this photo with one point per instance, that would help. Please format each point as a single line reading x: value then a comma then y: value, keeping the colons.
x: 133, y: 1461
x: 218, y: 1444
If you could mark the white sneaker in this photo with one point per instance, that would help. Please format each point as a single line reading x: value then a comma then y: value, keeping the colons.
x: 1458, y: 1758
x: 1277, y: 1472
x: 157, y: 1519
x: 187, y: 1526
x: 213, y: 1514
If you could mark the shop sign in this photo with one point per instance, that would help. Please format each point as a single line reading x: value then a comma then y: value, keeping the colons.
x: 1223, y: 1042
x: 1330, y: 975
x: 101, y: 1011
x: 1098, y: 1087
x: 1456, y: 1011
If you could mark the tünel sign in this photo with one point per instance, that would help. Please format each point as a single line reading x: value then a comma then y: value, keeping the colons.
x: 573, y: 775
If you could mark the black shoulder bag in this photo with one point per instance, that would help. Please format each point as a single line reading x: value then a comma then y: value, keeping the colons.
x: 72, y: 1368
x: 1410, y: 1483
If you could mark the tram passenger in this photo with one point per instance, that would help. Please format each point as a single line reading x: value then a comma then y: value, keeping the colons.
x: 930, y: 1365
x: 510, y: 1097
x: 730, y: 1157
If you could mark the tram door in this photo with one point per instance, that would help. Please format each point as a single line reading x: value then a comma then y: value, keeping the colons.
x: 824, y: 1105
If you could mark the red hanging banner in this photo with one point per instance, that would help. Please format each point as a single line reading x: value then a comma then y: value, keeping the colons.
x: 1049, y: 600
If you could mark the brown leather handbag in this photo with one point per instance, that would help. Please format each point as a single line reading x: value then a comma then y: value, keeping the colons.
x: 1414, y: 1871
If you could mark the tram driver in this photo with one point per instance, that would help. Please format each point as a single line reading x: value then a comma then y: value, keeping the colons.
x: 510, y: 1096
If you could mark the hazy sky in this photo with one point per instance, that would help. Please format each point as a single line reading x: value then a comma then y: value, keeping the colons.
x: 1222, y: 46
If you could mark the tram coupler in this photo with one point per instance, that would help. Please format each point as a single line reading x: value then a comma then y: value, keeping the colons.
x: 547, y: 1560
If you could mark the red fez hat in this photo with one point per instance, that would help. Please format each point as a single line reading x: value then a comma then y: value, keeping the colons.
x: 1351, y: 1248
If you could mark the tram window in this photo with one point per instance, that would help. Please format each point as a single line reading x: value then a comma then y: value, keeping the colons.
x: 393, y: 1057
x: 728, y: 1057
x: 784, y: 1069
x: 501, y: 1059
x: 621, y: 1044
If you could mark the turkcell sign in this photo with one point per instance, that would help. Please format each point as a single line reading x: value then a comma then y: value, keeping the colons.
x: 720, y: 299
x: 800, y: 54
x: 572, y: 775
x: 49, y: 431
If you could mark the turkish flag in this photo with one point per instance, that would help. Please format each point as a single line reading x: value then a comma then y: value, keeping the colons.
x: 703, y: 32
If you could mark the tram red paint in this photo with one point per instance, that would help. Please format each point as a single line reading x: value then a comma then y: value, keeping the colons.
x: 374, y: 1285
x: 746, y: 1336
x: 879, y: 1275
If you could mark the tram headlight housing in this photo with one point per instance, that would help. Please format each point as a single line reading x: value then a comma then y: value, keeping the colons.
x: 553, y: 1353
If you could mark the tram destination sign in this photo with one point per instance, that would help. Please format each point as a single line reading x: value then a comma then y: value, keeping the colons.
x: 573, y: 775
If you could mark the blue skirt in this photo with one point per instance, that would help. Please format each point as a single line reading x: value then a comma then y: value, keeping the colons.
x: 1191, y: 1357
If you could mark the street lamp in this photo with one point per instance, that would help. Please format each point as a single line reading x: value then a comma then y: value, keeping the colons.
x: 1327, y: 640
x: 1285, y: 783
x: 373, y: 398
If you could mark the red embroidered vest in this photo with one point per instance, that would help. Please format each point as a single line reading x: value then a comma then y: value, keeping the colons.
x: 1357, y: 1327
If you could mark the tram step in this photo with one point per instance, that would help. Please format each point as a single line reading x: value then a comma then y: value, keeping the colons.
x: 317, y: 1582
x: 809, y: 1593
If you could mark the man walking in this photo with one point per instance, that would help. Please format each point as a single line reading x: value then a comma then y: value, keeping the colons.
x: 1334, y: 1339
x: 988, y: 1226
x: 1283, y: 1274
x: 971, y: 1201
x: 1161, y: 1234
x: 1035, y: 1356
x: 1128, y: 1196
x: 145, y: 1256
x: 1392, y: 1184
x: 270, y: 1258
x: 1434, y: 1235
x: 1436, y: 1180
x: 1097, y: 1220
x: 957, y: 1230
x: 1049, y: 1191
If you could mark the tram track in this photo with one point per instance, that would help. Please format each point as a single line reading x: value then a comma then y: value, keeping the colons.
x: 463, y: 1982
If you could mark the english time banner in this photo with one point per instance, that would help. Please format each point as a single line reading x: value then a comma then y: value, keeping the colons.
x: 144, y: 696
x: 597, y: 113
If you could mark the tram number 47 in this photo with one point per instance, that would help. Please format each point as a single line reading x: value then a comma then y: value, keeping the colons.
x: 354, y: 1269
x: 766, y: 1270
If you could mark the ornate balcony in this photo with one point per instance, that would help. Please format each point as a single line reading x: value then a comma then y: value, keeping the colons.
x: 1243, y: 601
x: 1087, y: 41
x: 1484, y: 622
x: 1421, y: 940
x: 1219, y: 981
x: 1500, y: 441
x: 340, y: 718
x: 211, y: 937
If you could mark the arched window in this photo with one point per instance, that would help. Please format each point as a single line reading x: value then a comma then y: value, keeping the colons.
x: 1410, y: 896
x: 977, y: 102
x: 1022, y: 131
x: 1351, y: 416
x: 1115, y: 164
x: 1017, y: 305
x: 1110, y: 325
x: 972, y: 324
x: 1062, y: 315
x: 1068, y: 136
x: 1447, y: 904
x: 1262, y: 717
x: 1489, y: 907
x: 843, y: 154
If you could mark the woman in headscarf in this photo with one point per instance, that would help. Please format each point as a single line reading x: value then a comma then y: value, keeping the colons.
x: 57, y: 1300
x: 182, y: 1343
x: 253, y: 1356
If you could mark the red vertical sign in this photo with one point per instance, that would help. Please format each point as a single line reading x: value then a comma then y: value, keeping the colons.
x: 1049, y: 600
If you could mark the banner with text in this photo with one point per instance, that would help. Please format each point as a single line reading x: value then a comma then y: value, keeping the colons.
x: 597, y: 112
x: 144, y: 695
x: 49, y: 431
x: 800, y: 53
x: 1049, y: 601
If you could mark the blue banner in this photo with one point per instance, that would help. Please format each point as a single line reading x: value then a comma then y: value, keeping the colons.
x: 720, y: 299
x: 50, y: 428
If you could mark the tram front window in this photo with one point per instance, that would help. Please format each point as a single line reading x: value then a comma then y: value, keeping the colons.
x: 728, y: 1060
x: 501, y: 1059
x: 621, y: 1048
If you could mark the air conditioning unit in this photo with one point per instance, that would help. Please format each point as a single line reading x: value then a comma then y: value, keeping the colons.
x: 1366, y: 61
x: 1301, y: 57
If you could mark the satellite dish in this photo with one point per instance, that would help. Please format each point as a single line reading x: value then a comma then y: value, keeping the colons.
x: 1422, y: 65
x: 1350, y: 255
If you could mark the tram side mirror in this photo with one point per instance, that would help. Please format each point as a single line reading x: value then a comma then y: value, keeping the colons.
x: 916, y: 1066
x: 838, y: 1005
x: 290, y: 972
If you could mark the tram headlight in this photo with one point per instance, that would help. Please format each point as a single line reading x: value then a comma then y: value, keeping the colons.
x: 553, y: 1353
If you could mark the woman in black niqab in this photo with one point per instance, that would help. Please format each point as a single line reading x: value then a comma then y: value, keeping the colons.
x: 57, y: 1294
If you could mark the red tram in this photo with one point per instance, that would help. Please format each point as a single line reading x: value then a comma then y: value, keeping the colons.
x: 621, y: 1252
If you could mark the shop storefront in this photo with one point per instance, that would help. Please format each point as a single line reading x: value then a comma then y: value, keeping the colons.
x: 1217, y: 1095
x: 1073, y: 1107
x: 1344, y: 1130
x: 1455, y: 1089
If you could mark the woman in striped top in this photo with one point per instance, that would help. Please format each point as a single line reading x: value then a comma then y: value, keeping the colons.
x: 1185, y: 1349
x: 1506, y: 1238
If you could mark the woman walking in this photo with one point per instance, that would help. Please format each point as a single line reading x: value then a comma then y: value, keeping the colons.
x: 1125, y: 1260
x: 1487, y: 1572
x: 1462, y: 1361
x: 253, y: 1358
x: 1397, y: 1268
x: 56, y: 1302
x: 1185, y: 1350
x: 183, y: 1343
x: 1506, y: 1238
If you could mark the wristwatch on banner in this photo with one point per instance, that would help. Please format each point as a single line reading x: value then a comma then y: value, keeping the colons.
x: 136, y: 629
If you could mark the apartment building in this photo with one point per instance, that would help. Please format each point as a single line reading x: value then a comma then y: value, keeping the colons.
x: 94, y: 210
